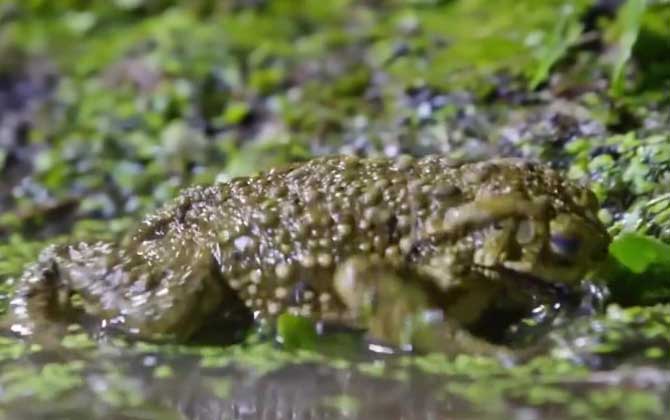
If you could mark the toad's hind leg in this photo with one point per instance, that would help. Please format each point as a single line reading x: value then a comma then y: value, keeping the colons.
x: 397, y: 306
x: 166, y: 291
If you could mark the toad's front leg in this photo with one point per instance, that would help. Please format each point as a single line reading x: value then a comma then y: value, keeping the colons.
x: 398, y: 306
x: 156, y: 291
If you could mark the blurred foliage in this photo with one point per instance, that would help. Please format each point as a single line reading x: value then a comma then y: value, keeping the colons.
x: 638, y: 253
x: 566, y: 33
x: 629, y: 21
x: 640, y: 270
x: 156, y: 95
x: 626, y: 172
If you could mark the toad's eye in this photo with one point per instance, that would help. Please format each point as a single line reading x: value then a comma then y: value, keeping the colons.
x: 566, y: 246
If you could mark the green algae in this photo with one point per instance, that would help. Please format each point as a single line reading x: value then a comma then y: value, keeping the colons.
x: 296, y: 332
x: 543, y: 383
x: 345, y: 405
x: 46, y: 383
x: 220, y: 387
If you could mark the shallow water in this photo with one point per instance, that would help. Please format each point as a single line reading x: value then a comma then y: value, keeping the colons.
x: 113, y: 379
x: 596, y: 365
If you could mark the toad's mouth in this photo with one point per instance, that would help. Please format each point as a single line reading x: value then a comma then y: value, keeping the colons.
x: 525, y: 296
x: 526, y: 282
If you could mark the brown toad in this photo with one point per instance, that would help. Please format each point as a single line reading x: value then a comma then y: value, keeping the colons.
x: 370, y: 243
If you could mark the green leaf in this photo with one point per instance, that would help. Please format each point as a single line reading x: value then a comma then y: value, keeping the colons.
x: 628, y: 21
x: 639, y: 271
x: 638, y: 252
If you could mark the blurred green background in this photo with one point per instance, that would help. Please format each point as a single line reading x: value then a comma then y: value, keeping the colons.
x: 108, y: 108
